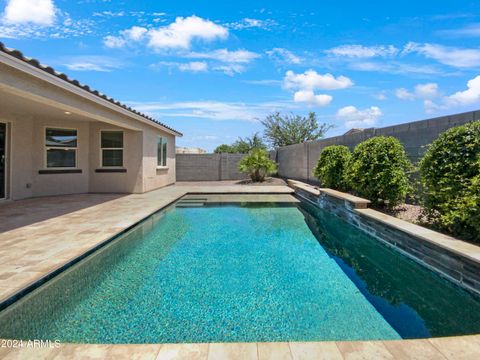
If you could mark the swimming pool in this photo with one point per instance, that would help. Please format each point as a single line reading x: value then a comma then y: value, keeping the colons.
x: 218, y: 271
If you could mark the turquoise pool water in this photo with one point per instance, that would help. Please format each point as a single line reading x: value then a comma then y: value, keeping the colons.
x: 242, y: 272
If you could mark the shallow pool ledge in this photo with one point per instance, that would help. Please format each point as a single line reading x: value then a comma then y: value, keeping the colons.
x: 452, y: 258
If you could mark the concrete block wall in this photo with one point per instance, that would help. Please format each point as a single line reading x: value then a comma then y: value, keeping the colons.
x: 298, y: 161
x: 208, y: 167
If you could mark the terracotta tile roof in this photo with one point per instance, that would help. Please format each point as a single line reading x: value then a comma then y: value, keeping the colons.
x: 34, y: 62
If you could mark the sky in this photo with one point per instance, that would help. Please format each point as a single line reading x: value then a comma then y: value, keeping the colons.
x: 214, y: 69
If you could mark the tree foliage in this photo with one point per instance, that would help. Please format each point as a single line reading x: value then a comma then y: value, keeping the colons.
x: 224, y: 149
x: 450, y: 173
x: 257, y: 165
x: 242, y: 145
x: 331, y: 166
x: 288, y: 129
x: 379, y: 170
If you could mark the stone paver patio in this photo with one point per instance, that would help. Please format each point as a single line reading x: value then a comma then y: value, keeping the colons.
x: 40, y: 235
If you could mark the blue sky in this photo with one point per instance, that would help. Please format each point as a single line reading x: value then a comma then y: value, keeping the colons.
x: 212, y: 69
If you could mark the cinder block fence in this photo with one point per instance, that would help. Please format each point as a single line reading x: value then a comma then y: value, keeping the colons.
x: 298, y: 161
x: 208, y: 167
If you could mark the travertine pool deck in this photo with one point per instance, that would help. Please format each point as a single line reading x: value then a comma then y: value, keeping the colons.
x: 455, y: 348
x: 40, y: 235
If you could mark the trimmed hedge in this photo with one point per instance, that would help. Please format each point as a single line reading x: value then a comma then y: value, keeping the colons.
x: 378, y: 171
x: 450, y: 173
x: 331, y: 165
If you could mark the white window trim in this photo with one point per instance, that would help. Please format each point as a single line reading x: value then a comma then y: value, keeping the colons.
x: 56, y: 148
x: 101, y: 149
x: 162, y: 167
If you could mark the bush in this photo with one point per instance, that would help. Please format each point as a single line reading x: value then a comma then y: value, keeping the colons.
x: 257, y: 164
x: 450, y: 174
x: 331, y: 165
x: 378, y: 171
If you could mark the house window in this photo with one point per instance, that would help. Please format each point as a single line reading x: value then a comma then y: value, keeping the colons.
x: 112, y: 148
x: 162, y: 151
x: 61, y: 148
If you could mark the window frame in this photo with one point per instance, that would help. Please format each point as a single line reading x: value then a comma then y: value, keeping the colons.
x: 102, y: 148
x: 162, y: 166
x: 46, y: 167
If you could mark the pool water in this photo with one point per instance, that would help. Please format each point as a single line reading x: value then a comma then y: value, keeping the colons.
x: 242, y: 272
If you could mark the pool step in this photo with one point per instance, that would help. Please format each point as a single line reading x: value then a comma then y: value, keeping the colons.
x: 191, y: 203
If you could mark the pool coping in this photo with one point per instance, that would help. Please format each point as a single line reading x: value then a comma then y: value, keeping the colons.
x: 447, y: 348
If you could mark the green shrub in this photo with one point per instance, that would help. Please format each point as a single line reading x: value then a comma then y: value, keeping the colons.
x: 378, y: 171
x: 257, y: 164
x: 331, y: 165
x: 450, y: 173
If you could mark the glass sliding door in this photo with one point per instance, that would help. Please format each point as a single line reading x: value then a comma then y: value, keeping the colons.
x: 3, y: 160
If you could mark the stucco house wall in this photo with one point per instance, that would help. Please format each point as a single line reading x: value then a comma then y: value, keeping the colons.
x: 32, y: 99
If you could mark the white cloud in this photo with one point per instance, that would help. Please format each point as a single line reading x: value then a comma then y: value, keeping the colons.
x: 181, y: 33
x: 114, y: 41
x: 426, y: 91
x: 360, y: 51
x: 213, y: 110
x: 109, y: 14
x: 381, y: 96
x: 248, y: 23
x: 224, y: 55
x: 396, y: 68
x: 39, y: 12
x: 452, y: 56
x: 177, y: 35
x: 309, y: 97
x: 311, y: 80
x: 467, y: 97
x: 230, y: 69
x: 470, y: 96
x: 354, y: 117
x: 194, y: 66
x: 471, y: 30
x: 404, y: 94
x: 229, y: 62
x: 92, y: 63
x: 135, y: 33
x: 225, y: 61
x: 283, y: 56
x: 421, y: 91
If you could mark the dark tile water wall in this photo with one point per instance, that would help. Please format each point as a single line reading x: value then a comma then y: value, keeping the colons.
x: 458, y: 269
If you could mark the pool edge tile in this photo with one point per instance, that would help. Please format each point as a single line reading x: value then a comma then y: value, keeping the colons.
x: 277, y: 351
x: 183, y: 351
x: 233, y: 351
x: 420, y: 349
x: 315, y: 350
x: 364, y: 350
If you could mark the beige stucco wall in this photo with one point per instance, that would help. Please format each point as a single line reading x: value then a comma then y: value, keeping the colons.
x: 56, y: 184
x: 128, y: 182
x: 27, y: 157
x: 41, y: 104
x: 154, y: 177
